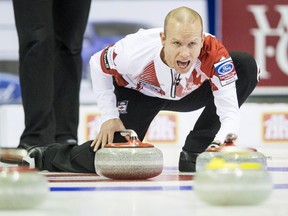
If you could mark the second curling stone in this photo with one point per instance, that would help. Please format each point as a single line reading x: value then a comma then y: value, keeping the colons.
x: 230, y: 153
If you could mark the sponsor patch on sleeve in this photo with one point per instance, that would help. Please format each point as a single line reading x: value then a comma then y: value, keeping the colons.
x: 108, y: 58
x: 226, y: 71
x: 107, y: 61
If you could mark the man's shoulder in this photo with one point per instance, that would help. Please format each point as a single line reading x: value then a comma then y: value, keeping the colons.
x: 211, y: 43
x: 144, y: 40
x: 212, y: 48
x: 150, y: 30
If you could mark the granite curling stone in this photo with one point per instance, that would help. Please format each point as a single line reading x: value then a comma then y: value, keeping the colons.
x: 231, y: 153
x: 130, y: 160
x: 22, y: 188
x: 231, y: 183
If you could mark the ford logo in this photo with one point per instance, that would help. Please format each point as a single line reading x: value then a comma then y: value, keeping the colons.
x: 223, y: 69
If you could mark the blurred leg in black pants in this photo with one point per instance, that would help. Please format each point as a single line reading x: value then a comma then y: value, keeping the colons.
x: 50, y: 36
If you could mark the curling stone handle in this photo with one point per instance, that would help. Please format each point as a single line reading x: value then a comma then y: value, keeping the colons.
x: 133, y: 135
x: 132, y: 142
x: 230, y: 138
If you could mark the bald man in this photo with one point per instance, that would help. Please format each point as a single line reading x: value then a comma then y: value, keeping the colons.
x: 179, y: 68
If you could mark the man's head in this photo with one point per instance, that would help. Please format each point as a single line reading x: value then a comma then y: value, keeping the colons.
x: 182, y: 39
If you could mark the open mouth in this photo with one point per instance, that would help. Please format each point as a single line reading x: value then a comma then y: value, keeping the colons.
x: 183, y: 64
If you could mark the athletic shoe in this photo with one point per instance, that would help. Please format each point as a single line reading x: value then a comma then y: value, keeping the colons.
x: 187, y: 161
x: 37, y: 153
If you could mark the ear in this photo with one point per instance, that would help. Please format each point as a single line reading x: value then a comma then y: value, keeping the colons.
x: 202, y: 39
x: 163, y: 38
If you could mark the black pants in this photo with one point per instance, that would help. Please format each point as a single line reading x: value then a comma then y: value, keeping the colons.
x: 142, y: 109
x: 50, y: 36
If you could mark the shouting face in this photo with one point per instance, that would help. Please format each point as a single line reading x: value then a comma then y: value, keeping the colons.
x: 182, y: 43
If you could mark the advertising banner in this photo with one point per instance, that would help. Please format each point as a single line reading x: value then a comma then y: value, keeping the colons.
x: 259, y: 27
x: 261, y: 125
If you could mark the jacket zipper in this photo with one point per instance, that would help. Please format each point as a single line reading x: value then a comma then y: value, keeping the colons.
x: 175, y: 80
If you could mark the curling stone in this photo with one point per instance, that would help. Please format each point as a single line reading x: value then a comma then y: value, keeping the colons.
x: 12, y: 155
x: 231, y: 183
x: 21, y: 188
x: 231, y: 153
x: 130, y: 160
